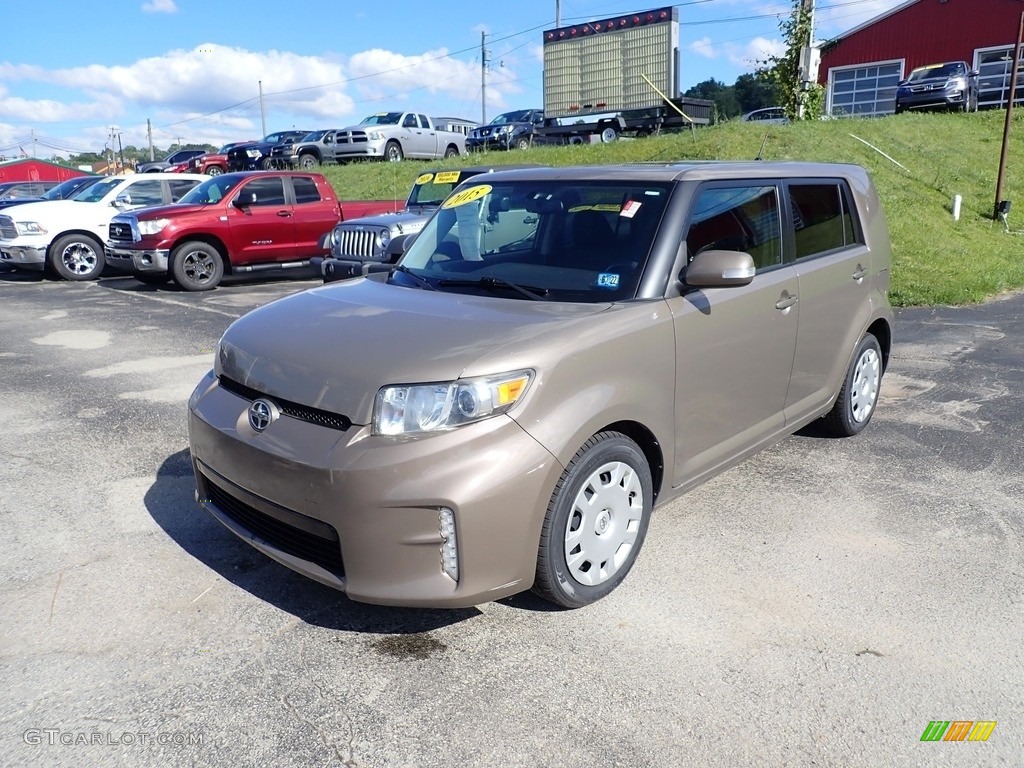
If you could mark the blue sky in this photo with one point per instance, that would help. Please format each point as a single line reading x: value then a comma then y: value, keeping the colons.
x: 74, y: 68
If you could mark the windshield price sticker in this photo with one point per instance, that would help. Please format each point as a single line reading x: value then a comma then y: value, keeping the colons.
x: 424, y: 178
x: 446, y: 177
x: 466, y: 196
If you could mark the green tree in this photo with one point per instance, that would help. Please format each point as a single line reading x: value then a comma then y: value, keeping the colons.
x: 723, y: 95
x: 755, y: 91
x: 801, y: 100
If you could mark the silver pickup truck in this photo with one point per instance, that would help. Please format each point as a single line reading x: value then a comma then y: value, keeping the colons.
x: 393, y: 136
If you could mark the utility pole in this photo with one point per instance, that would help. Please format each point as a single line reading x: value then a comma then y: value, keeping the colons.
x: 149, y: 133
x: 807, y: 9
x: 1002, y: 207
x: 558, y: 13
x: 263, y: 112
x: 483, y: 78
x: 33, y: 142
x: 120, y: 150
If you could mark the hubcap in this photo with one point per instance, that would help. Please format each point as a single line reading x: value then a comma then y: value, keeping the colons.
x: 604, y: 523
x: 867, y: 375
x: 79, y: 258
x: 198, y: 267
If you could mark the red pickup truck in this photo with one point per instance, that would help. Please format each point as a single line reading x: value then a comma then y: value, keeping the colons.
x: 233, y: 223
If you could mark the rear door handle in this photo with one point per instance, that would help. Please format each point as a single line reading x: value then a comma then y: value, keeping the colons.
x: 785, y: 302
x: 284, y: 213
x: 860, y: 273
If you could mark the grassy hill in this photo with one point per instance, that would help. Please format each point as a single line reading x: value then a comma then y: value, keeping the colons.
x: 936, y: 260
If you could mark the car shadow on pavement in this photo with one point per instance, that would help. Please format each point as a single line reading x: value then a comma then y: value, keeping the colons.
x: 171, y: 503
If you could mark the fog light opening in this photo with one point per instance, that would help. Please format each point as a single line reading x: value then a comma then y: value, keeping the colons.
x: 449, y: 549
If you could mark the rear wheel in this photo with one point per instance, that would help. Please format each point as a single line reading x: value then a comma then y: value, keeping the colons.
x: 197, y: 266
x: 596, y: 521
x: 77, y: 257
x: 451, y: 152
x: 859, y: 394
x: 393, y: 152
x: 609, y: 134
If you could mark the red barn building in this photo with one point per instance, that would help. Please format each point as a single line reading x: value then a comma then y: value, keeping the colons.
x: 861, y: 67
x: 30, y: 169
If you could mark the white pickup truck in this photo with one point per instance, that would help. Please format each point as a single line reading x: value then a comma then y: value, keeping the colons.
x: 68, y: 235
x: 394, y: 136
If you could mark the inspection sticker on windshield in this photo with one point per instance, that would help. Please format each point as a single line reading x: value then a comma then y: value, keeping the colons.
x: 424, y: 178
x: 608, y: 280
x: 446, y: 177
x: 630, y: 208
x: 466, y: 196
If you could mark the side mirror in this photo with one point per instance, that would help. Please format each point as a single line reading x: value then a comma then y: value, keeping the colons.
x: 719, y: 269
x: 242, y: 201
x: 122, y: 201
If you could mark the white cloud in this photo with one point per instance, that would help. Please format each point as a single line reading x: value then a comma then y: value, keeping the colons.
x: 53, y: 111
x: 160, y: 6
x: 755, y: 53
x: 703, y: 47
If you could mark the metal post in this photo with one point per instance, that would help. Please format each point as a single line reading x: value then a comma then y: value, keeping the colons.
x: 558, y: 13
x: 483, y: 78
x: 263, y: 112
x: 1009, y: 119
x: 149, y: 133
x: 120, y: 151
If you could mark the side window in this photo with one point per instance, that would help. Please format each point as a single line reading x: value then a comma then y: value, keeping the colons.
x: 146, y: 192
x: 305, y: 190
x: 263, y: 192
x: 424, y: 123
x: 822, y: 218
x: 179, y: 187
x: 409, y: 121
x: 743, y: 218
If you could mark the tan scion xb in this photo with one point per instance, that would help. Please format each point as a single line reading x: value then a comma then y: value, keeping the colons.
x: 557, y: 352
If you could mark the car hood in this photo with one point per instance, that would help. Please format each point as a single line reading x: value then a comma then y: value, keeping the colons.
x: 334, y: 347
x: 64, y: 211
x: 487, y: 130
x: 411, y: 220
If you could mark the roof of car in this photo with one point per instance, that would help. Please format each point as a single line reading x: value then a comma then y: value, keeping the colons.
x: 681, y: 170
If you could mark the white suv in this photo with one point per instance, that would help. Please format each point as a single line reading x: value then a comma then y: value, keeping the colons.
x: 68, y: 235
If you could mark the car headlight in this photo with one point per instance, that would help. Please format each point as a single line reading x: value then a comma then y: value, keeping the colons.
x: 505, y: 129
x: 959, y: 83
x: 385, y: 237
x: 30, y: 228
x: 375, y: 135
x: 253, y: 152
x: 414, y: 408
x: 153, y: 226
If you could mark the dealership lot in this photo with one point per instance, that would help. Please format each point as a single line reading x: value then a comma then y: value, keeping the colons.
x: 819, y: 604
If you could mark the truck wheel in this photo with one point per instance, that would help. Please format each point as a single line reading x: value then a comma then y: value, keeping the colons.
x: 451, y: 152
x: 608, y: 135
x: 214, y: 170
x: 266, y: 164
x: 523, y: 142
x: 393, y: 152
x: 197, y: 266
x: 77, y: 257
x: 308, y: 162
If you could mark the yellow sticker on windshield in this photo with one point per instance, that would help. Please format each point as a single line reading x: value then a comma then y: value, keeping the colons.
x: 466, y: 196
x: 446, y: 177
x: 424, y: 178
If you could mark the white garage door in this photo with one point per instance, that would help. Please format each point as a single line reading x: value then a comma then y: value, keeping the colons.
x: 865, y: 90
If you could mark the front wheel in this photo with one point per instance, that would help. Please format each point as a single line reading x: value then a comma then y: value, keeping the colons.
x: 393, y: 152
x: 523, y: 142
x: 214, y: 170
x: 265, y: 164
x: 308, y: 162
x: 197, y: 266
x: 77, y: 257
x: 859, y: 394
x: 596, y: 521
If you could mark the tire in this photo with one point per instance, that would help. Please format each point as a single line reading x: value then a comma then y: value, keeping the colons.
x: 608, y: 135
x: 154, y: 278
x: 858, y: 396
x: 265, y: 164
x: 393, y: 152
x: 308, y: 162
x: 214, y: 170
x: 596, y: 522
x: 197, y: 266
x: 77, y: 257
x: 523, y: 142
x: 451, y: 152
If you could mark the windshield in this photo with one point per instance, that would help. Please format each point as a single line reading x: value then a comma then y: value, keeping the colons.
x: 522, y: 116
x: 278, y: 138
x: 432, y: 188
x: 954, y: 69
x: 65, y: 188
x: 96, y: 192
x: 211, y: 190
x: 580, y: 241
x: 314, y: 136
x: 383, y: 118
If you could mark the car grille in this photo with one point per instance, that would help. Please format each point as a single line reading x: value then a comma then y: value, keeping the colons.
x: 320, y: 544
x: 121, y: 231
x: 352, y: 137
x: 355, y: 243
x: 295, y: 410
x: 7, y: 229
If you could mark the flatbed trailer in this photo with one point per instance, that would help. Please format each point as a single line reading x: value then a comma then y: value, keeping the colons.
x: 679, y: 113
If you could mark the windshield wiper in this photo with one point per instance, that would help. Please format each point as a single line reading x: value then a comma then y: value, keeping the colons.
x: 422, y: 282
x: 529, y: 291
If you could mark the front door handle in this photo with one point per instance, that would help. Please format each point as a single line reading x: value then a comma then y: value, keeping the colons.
x: 860, y: 273
x: 285, y: 214
x: 785, y: 302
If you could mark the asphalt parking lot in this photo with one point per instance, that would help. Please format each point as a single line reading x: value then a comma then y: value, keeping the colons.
x: 819, y: 604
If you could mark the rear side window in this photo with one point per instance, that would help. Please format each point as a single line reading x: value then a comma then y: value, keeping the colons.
x: 179, y: 187
x: 149, y: 192
x: 305, y: 190
x: 263, y: 192
x: 822, y: 218
x: 738, y: 218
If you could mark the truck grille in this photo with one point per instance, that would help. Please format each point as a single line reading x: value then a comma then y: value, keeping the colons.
x: 7, y: 229
x: 322, y: 547
x: 353, y: 243
x: 352, y: 137
x: 120, y: 230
